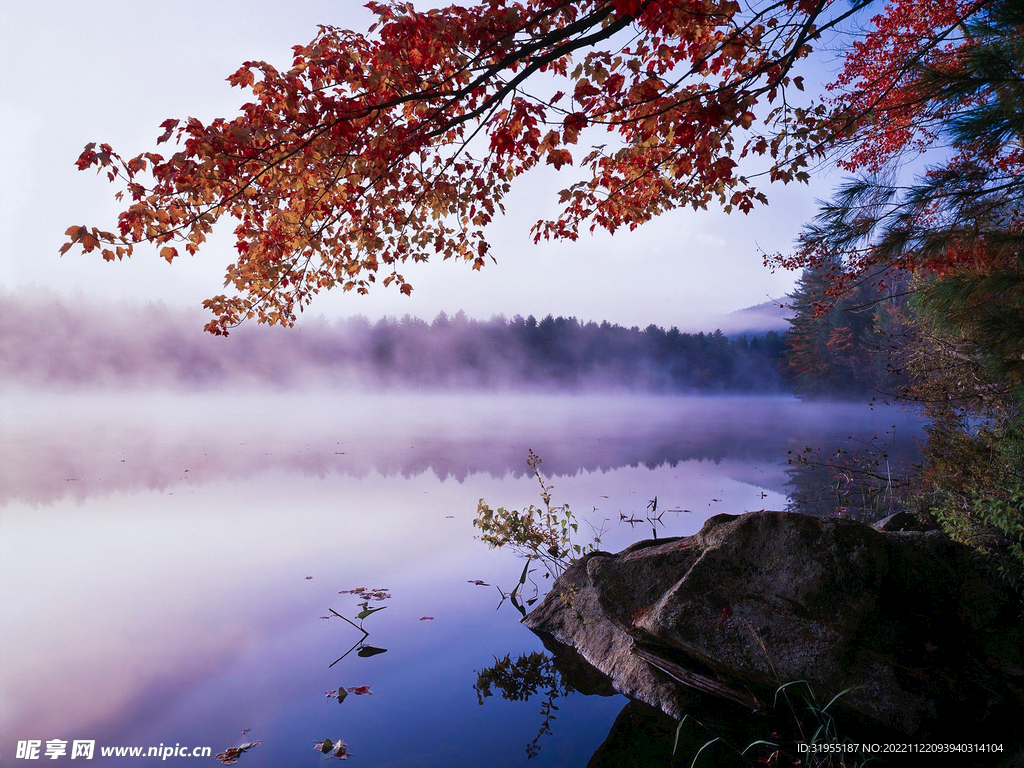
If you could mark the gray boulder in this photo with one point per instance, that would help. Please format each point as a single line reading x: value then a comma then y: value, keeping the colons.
x: 924, y: 640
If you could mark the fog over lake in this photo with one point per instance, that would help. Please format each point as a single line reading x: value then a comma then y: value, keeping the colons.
x: 157, y: 548
x: 89, y: 445
x: 182, y: 515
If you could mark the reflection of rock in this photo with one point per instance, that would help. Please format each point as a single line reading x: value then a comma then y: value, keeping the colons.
x: 641, y: 736
x: 933, y: 645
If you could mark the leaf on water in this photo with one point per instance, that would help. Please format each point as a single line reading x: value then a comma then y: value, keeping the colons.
x: 369, y: 611
x: 340, y: 750
x: 368, y: 650
x: 376, y: 593
x: 230, y: 756
x: 426, y: 618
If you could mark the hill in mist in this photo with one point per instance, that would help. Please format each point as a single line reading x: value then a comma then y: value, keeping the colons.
x: 757, y: 319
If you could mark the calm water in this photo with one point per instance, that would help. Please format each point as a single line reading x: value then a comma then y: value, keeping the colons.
x: 156, y: 556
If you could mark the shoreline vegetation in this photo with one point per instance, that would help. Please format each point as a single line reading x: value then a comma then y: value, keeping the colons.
x: 810, y: 596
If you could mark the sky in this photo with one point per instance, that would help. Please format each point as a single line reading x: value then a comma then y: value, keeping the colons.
x: 113, y: 70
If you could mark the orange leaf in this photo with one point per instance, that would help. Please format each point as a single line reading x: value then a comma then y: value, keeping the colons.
x: 89, y: 242
x: 559, y: 157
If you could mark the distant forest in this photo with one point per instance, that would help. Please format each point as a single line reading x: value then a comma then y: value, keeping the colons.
x: 560, y: 352
x: 52, y: 341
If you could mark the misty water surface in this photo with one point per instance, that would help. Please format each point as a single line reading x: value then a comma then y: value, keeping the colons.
x: 157, y: 553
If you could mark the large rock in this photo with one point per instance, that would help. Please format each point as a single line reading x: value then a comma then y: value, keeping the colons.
x: 925, y: 642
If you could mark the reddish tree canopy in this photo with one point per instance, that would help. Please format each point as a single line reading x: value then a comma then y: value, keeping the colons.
x: 946, y: 77
x: 399, y: 145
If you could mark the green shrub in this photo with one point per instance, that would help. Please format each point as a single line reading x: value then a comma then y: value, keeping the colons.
x: 537, y: 533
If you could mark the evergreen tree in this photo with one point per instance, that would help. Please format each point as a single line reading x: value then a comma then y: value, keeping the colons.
x: 959, y: 230
x: 838, y: 345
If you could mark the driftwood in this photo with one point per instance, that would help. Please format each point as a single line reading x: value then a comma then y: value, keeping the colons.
x: 695, y: 680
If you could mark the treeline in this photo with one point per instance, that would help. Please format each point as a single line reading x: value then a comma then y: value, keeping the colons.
x: 47, y: 341
x: 560, y: 352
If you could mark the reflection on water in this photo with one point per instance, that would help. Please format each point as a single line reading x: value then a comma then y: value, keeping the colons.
x: 360, y: 646
x: 853, y: 475
x: 55, y: 447
x: 165, y: 561
x: 520, y: 680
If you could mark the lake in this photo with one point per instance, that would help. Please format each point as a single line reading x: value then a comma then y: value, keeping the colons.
x: 170, y: 564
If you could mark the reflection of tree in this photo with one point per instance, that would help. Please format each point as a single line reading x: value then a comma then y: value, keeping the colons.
x: 520, y: 680
x: 861, y: 479
x: 406, y: 438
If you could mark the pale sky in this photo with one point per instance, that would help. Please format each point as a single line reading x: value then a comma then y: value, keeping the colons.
x: 113, y: 70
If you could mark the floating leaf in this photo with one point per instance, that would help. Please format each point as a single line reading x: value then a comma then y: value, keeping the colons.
x: 377, y: 593
x: 230, y: 756
x: 369, y: 611
x: 340, y: 750
x: 368, y: 650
